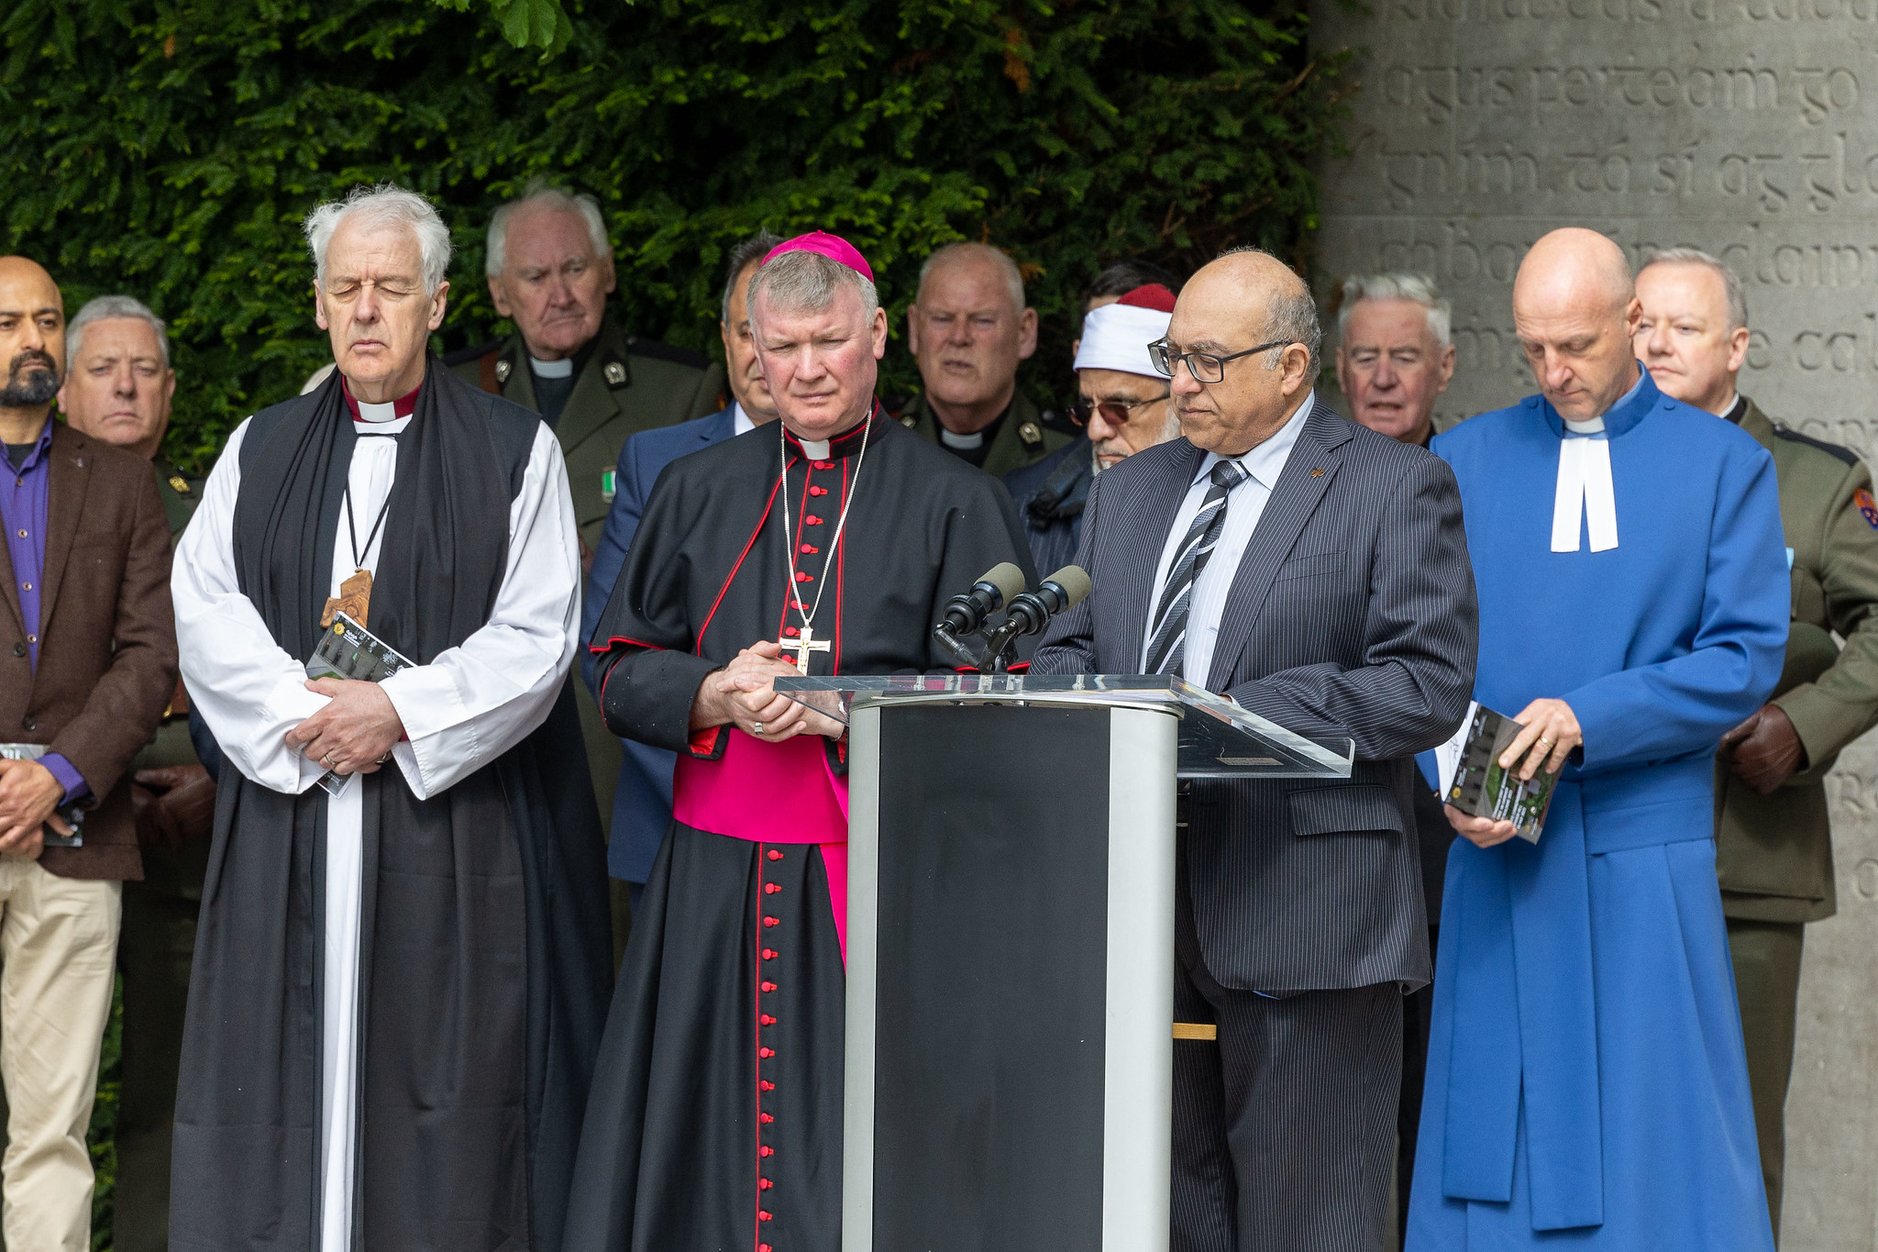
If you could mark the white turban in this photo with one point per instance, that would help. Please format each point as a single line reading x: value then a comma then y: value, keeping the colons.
x: 1116, y: 336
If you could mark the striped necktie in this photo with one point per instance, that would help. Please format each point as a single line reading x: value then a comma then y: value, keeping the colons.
x: 1167, y: 643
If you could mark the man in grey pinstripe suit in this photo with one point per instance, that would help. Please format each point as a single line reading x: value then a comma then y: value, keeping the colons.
x: 1316, y: 573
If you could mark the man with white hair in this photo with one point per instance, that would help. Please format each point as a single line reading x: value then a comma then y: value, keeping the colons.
x: 1773, y: 835
x: 1122, y: 402
x: 833, y: 539
x: 969, y: 330
x: 1394, y: 357
x: 402, y: 961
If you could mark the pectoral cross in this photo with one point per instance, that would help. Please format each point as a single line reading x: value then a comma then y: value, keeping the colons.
x: 804, y: 645
x: 354, y: 599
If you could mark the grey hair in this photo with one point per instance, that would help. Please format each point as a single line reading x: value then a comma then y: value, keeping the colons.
x: 806, y: 282
x: 755, y: 248
x: 383, y: 205
x: 1417, y: 288
x: 1731, y: 282
x: 1292, y: 318
x: 106, y: 307
x: 541, y: 195
x: 1013, y: 277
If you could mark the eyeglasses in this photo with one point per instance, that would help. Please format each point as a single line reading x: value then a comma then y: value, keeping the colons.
x: 1206, y: 367
x: 1116, y: 413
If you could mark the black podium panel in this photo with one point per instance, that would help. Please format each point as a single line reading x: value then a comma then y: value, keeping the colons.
x: 992, y: 933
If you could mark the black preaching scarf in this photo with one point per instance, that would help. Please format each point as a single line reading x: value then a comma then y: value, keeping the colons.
x: 483, y: 952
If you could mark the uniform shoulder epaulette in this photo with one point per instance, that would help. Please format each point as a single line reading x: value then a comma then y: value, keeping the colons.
x: 463, y: 356
x: 1831, y: 449
x: 667, y: 352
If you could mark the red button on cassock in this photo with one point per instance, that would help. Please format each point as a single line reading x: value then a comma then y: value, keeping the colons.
x: 766, y: 1150
x: 774, y: 855
x: 766, y: 1053
x: 771, y: 888
x: 812, y: 520
x: 810, y: 549
x: 766, y: 1085
x: 764, y: 1184
x: 772, y: 921
x: 769, y: 954
x: 766, y: 1020
x: 766, y: 1118
x: 803, y: 578
x: 791, y: 631
x: 818, y: 491
x: 769, y: 986
x: 762, y: 1216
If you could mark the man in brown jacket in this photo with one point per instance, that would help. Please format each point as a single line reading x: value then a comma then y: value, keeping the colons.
x: 87, y: 663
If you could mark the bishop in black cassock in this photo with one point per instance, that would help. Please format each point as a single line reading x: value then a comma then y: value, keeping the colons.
x: 834, y: 537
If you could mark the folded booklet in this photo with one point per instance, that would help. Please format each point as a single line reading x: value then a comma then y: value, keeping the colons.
x: 1473, y: 782
x: 348, y: 650
x: 73, y: 815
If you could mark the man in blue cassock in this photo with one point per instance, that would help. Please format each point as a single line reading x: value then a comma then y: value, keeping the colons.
x: 1587, y: 1085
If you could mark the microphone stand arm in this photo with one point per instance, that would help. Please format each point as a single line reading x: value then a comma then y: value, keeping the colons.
x: 950, y: 641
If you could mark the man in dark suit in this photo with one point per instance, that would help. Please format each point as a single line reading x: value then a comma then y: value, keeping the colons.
x: 642, y: 799
x: 1317, y: 574
x: 89, y: 661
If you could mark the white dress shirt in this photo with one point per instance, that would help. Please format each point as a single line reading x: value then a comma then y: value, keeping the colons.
x: 1245, y: 504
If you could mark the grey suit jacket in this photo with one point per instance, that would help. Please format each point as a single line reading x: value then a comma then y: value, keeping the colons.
x: 1352, y: 615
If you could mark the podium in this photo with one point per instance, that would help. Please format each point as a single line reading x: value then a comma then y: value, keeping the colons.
x: 1010, y: 948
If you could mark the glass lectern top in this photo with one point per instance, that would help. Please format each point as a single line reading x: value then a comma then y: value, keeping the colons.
x: 1217, y: 738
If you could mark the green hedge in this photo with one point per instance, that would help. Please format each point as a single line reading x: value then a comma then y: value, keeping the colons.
x: 170, y: 149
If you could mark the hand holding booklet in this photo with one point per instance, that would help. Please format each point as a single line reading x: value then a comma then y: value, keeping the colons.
x: 348, y: 650
x: 74, y: 815
x: 1473, y: 782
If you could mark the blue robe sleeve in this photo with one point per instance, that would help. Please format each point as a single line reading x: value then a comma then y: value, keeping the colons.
x: 1685, y: 704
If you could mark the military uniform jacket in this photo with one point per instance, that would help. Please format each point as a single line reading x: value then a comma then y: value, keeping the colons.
x: 627, y: 385
x: 1021, y: 438
x: 1774, y: 853
x: 180, y: 494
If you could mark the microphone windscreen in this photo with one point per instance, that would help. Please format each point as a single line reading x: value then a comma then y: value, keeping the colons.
x: 1075, y: 582
x: 1007, y: 578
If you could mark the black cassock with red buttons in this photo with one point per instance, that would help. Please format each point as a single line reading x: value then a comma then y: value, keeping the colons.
x: 715, y: 1117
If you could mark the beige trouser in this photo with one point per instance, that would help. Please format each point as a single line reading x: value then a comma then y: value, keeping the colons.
x: 58, y: 942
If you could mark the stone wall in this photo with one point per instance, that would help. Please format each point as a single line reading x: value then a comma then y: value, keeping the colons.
x: 1745, y: 127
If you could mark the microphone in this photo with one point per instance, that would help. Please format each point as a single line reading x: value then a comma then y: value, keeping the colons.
x: 1062, y: 590
x: 965, y: 614
x: 1032, y: 611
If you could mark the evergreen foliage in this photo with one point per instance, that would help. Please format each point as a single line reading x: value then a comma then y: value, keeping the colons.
x: 169, y: 148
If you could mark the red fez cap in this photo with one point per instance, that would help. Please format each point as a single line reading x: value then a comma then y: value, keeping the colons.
x: 1152, y: 296
x: 834, y: 247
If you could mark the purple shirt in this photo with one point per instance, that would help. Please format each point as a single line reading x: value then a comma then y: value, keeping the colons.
x: 23, y: 492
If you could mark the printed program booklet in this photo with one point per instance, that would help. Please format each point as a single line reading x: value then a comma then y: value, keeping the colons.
x: 348, y: 650
x: 1473, y: 782
x: 74, y: 816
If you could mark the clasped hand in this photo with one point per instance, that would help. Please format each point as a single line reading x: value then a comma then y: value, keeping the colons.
x: 1548, y: 734
x: 743, y: 694
x: 353, y: 734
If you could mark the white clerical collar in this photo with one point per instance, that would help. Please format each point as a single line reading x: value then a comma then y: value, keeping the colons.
x: 740, y: 421
x: 965, y: 443
x: 563, y: 368
x: 1584, y: 490
x: 814, y: 449
x: 1267, y: 461
x: 376, y: 413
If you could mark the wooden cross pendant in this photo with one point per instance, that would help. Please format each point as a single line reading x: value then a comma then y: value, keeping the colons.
x: 804, y: 645
x: 354, y: 599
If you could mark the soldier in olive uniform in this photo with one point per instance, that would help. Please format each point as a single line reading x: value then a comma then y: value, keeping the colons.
x: 550, y: 270
x: 1773, y: 846
x: 968, y: 329
x: 118, y: 391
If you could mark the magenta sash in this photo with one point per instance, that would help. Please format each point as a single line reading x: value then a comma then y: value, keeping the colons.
x: 772, y: 793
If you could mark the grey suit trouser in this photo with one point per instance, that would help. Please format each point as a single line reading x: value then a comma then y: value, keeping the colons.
x: 1284, y: 1133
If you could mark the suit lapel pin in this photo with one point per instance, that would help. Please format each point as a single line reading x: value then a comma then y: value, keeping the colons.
x: 502, y: 371
x: 615, y: 374
x: 1317, y: 473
